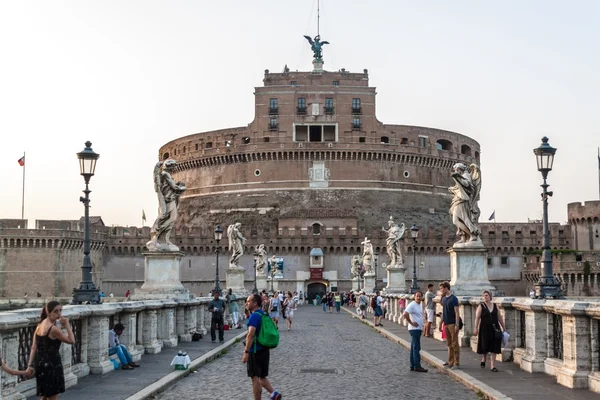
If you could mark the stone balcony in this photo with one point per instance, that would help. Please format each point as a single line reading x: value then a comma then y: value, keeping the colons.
x: 150, y: 326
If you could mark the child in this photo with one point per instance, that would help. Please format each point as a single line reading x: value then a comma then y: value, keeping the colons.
x: 11, y: 371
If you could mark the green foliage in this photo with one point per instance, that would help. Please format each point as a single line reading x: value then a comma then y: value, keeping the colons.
x: 557, y: 251
x: 586, y: 268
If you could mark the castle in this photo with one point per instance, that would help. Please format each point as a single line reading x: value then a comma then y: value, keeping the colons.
x: 312, y: 175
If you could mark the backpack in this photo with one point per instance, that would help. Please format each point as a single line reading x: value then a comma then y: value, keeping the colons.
x: 268, y: 336
x: 373, y: 302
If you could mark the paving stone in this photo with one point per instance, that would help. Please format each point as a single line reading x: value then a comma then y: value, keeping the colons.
x: 349, y: 360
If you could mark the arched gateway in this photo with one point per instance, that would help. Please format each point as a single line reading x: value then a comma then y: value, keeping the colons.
x: 314, y: 289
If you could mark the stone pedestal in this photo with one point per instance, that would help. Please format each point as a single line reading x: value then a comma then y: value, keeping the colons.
x: 468, y: 271
x: 317, y: 65
x: 396, y: 279
x: 355, y: 283
x: 162, y: 277
x: 261, y: 283
x: 369, y: 283
x: 149, y: 324
x: 234, y: 280
x: 97, y: 339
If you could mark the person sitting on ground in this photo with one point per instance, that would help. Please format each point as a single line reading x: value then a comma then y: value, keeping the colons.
x: 115, y: 347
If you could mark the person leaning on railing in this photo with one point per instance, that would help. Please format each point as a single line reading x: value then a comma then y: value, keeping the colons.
x: 44, y: 359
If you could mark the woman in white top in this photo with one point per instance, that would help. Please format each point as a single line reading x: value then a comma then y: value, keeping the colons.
x: 274, y: 308
x: 290, y: 306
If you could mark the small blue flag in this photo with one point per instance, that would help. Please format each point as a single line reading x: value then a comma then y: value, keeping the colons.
x: 493, y: 216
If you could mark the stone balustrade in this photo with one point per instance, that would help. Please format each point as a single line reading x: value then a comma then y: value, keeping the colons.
x: 150, y: 326
x: 556, y: 337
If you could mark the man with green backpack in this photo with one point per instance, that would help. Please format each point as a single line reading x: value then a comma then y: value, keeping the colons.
x: 262, y: 336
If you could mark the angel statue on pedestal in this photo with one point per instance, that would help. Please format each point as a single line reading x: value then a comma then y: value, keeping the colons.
x: 464, y: 208
x: 316, y: 46
x: 236, y: 245
x: 168, y: 192
x: 367, y: 257
x: 393, y: 244
x: 261, y: 260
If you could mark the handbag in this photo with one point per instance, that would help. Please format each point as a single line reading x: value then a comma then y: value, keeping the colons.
x: 497, y: 333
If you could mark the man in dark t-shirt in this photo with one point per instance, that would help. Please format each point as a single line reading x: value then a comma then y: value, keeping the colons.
x: 217, y: 308
x: 450, y: 318
x: 256, y: 356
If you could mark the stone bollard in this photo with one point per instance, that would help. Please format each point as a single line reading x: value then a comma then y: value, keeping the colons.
x: 150, y: 327
x: 182, y: 334
x: 166, y: 330
x: 191, y: 315
x: 536, y: 338
x: 129, y: 313
x: 467, y: 313
x: 201, y: 310
x: 96, y: 338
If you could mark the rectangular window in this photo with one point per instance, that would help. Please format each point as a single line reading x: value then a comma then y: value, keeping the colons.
x: 301, y: 106
x: 504, y: 260
x: 336, y: 83
x: 328, y: 106
x: 266, y: 139
x: 356, y: 106
x: 355, y: 123
x: 362, y: 139
x: 273, y: 124
x: 293, y: 83
x: 422, y: 141
x: 273, y: 106
x: 489, y: 261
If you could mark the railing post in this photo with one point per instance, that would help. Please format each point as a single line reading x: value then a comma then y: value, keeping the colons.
x: 129, y: 320
x: 467, y: 314
x: 97, y: 337
x: 536, y: 338
x: 191, y: 315
x: 10, y: 346
x: 577, y: 357
x: 200, y: 317
x: 165, y: 320
x: 149, y: 332
x: 182, y: 334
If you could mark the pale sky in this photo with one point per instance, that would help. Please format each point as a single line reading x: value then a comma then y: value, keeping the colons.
x: 132, y: 75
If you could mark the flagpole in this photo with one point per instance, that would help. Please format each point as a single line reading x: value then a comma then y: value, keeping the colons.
x: 598, y: 173
x: 23, y: 194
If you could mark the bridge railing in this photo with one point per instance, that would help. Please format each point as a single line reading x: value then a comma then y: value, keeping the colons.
x: 150, y: 326
x: 557, y: 337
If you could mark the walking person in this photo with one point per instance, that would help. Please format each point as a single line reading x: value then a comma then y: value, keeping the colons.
x: 414, y: 316
x: 291, y: 304
x: 430, y: 311
x: 256, y: 357
x: 274, y: 308
x: 362, y: 304
x: 376, y: 303
x: 233, y: 308
x: 450, y: 317
x: 48, y: 368
x: 217, y: 308
x: 324, y: 303
x: 338, y: 302
x: 488, y: 329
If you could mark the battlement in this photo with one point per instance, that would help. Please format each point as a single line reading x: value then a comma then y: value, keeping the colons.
x: 588, y: 211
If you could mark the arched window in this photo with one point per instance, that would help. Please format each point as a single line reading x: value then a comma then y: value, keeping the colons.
x: 316, y: 229
x: 165, y: 156
x: 443, y: 144
x: 404, y: 140
x: 466, y: 150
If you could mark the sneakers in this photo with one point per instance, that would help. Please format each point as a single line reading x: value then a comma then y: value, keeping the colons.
x: 420, y: 369
x: 276, y: 396
x: 134, y: 365
x: 454, y: 367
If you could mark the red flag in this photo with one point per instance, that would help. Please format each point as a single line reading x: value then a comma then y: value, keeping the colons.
x: 22, y: 161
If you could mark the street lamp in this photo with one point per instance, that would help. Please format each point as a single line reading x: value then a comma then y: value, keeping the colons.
x: 87, y: 292
x: 547, y: 286
x: 218, y: 236
x: 376, y: 256
x: 414, y: 233
x: 255, y: 290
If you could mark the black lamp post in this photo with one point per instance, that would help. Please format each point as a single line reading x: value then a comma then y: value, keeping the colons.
x: 414, y: 233
x: 272, y: 272
x: 87, y: 292
x: 218, y: 236
x: 255, y: 290
x: 547, y: 286
x: 375, y: 257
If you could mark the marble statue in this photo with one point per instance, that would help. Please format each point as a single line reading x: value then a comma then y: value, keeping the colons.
x: 316, y: 46
x: 236, y: 245
x: 393, y: 244
x: 367, y: 257
x: 464, y: 208
x: 274, y: 269
x: 356, y: 269
x: 168, y: 192
x: 261, y: 260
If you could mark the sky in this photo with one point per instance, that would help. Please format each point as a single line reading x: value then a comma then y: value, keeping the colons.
x: 132, y: 75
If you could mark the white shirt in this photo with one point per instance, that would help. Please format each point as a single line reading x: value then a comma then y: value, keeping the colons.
x: 415, y: 311
x: 280, y: 297
x: 113, y: 338
x: 379, y: 301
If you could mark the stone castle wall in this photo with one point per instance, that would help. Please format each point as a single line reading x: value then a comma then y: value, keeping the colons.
x: 585, y: 225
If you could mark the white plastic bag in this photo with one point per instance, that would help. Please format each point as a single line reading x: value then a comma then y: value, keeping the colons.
x: 505, y: 336
x: 358, y: 310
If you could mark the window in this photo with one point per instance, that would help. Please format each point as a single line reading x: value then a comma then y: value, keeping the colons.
x: 404, y: 140
x: 362, y: 139
x: 273, y: 124
x: 301, y: 106
x: 443, y: 144
x: 273, y: 106
x: 355, y: 123
x: 519, y: 233
x: 578, y: 257
x: 316, y: 229
x: 422, y: 141
x: 165, y: 156
x: 489, y: 261
x: 228, y: 143
x: 293, y: 83
x: 336, y: 83
x: 266, y: 139
x: 196, y: 146
x: 328, y: 106
x: 385, y: 140
x: 246, y: 140
x: 504, y: 260
x: 532, y: 233
x: 208, y: 145
x: 356, y: 106
x: 183, y: 149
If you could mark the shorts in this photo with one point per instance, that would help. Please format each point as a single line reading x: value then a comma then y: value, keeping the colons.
x: 430, y: 315
x: 258, y: 363
x: 363, y: 307
x: 378, y: 311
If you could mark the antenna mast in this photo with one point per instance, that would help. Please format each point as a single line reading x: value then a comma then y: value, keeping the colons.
x: 318, y: 15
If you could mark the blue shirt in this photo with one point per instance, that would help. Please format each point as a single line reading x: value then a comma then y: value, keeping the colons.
x: 255, y: 320
x: 449, y: 302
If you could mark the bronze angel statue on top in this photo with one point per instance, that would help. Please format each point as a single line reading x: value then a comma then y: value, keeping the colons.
x: 168, y: 192
x: 464, y: 208
x: 316, y: 46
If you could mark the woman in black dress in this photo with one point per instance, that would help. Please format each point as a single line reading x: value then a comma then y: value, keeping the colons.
x: 487, y: 322
x: 45, y: 359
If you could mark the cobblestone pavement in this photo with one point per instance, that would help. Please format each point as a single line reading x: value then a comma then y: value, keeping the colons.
x: 361, y: 364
